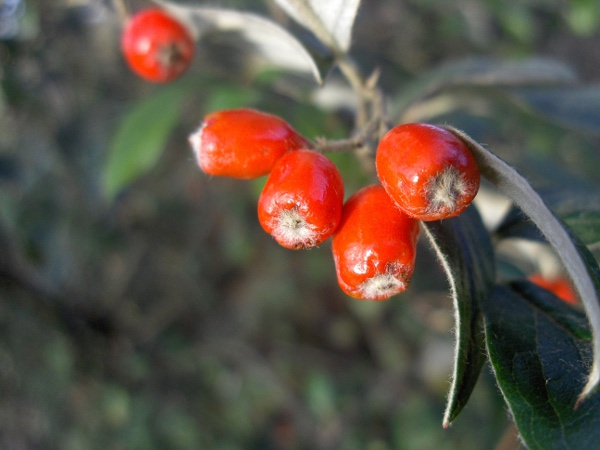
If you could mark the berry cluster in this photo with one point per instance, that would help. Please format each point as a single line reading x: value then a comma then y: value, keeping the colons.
x: 426, y: 173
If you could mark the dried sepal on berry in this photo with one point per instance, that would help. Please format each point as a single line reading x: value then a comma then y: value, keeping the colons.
x: 429, y: 172
x: 374, y: 247
x: 243, y: 143
x: 301, y: 202
x: 157, y: 46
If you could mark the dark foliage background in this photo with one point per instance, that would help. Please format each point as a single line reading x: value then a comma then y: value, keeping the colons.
x: 168, y: 318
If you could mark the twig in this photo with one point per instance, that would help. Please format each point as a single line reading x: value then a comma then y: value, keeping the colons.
x: 353, y: 143
x: 122, y: 10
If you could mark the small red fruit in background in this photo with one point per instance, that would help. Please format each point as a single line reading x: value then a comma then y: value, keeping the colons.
x: 559, y: 286
x: 243, y: 143
x: 374, y: 248
x: 429, y: 172
x: 157, y: 46
x: 301, y: 203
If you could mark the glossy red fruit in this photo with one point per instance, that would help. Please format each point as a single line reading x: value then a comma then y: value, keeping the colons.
x: 157, y: 46
x: 429, y: 172
x: 243, y: 143
x: 559, y: 286
x: 374, y: 247
x: 301, y: 203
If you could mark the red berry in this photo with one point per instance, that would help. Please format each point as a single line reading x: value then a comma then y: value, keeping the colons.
x: 429, y: 172
x: 301, y: 203
x: 559, y: 286
x: 243, y: 143
x: 157, y: 46
x: 374, y: 247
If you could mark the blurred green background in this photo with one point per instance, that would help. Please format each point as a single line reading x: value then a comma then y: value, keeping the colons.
x: 166, y: 318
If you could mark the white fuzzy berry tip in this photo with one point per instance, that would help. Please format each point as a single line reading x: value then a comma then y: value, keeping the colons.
x: 382, y: 287
x: 449, y: 191
x: 195, y: 141
x: 394, y: 280
x: 292, y: 231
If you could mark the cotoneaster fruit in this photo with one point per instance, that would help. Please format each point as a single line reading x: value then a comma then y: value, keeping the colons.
x: 559, y: 286
x: 428, y: 171
x: 301, y: 202
x: 374, y: 247
x: 243, y: 143
x: 157, y: 46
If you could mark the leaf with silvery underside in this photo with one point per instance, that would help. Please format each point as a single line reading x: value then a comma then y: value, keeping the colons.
x: 271, y: 41
x: 483, y: 73
x: 573, y: 107
x: 465, y: 251
x: 330, y: 20
x: 578, y: 262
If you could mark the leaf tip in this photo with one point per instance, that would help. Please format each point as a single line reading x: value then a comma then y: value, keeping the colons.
x: 590, y: 386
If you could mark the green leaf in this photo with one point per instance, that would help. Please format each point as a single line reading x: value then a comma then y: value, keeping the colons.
x: 573, y: 107
x: 579, y: 208
x: 539, y: 352
x: 465, y: 251
x: 228, y: 96
x: 578, y: 262
x: 140, y: 139
x: 583, y: 17
x: 516, y: 225
x: 585, y: 224
x: 518, y: 21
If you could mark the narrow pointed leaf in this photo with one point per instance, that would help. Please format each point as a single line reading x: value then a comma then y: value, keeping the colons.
x: 270, y: 40
x: 465, y: 251
x: 331, y: 21
x: 578, y: 262
x: 140, y: 139
x: 539, y: 349
x: 482, y: 73
x: 570, y: 106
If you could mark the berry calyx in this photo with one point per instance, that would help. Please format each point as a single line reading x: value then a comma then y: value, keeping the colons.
x: 301, y: 203
x: 157, y: 46
x: 243, y: 143
x: 429, y: 172
x: 374, y: 247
